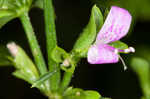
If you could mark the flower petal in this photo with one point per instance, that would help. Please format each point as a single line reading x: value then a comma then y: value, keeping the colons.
x: 101, y: 54
x: 116, y: 25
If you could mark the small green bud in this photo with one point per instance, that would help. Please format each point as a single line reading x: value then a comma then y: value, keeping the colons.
x: 25, y: 67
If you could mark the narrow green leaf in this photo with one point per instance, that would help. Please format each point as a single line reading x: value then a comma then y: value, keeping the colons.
x: 119, y: 45
x: 4, y: 56
x: 19, y: 74
x: 88, y: 35
x: 43, y: 78
x: 98, y: 18
x: 4, y: 51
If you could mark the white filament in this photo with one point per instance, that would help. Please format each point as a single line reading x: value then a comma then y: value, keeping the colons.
x: 124, y: 65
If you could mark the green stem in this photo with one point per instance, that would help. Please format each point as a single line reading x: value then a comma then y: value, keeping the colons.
x: 37, y: 54
x: 51, y: 43
x: 66, y: 81
x: 68, y: 74
x: 39, y: 60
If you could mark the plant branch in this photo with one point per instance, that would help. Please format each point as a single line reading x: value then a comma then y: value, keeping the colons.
x: 34, y: 46
x: 51, y: 43
x: 39, y: 60
x: 66, y: 81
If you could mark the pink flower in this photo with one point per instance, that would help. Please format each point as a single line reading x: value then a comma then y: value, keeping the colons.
x: 115, y: 27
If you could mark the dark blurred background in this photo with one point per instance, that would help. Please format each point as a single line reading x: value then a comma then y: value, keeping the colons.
x: 71, y: 17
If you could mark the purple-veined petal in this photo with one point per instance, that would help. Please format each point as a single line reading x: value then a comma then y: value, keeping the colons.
x: 116, y: 25
x: 102, y: 54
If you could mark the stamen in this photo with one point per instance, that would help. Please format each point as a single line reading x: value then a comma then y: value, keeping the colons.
x: 132, y: 49
x: 127, y: 50
x: 123, y: 62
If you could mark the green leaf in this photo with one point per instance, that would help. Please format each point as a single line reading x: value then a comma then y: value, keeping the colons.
x: 141, y: 67
x: 15, y: 4
x: 119, y: 45
x: 77, y: 93
x: 26, y: 69
x: 89, y: 33
x: 98, y: 18
x: 43, y: 78
x: 58, y: 54
x: 6, y: 16
x: 19, y: 74
x: 4, y: 56
x: 10, y: 9
x: 6, y: 12
x: 5, y: 20
x: 92, y: 94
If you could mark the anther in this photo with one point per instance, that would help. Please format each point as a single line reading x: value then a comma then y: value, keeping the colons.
x: 132, y: 49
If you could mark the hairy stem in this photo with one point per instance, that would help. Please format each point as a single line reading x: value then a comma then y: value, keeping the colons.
x: 68, y: 74
x: 37, y: 54
x: 39, y: 60
x: 66, y: 81
x: 51, y: 43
